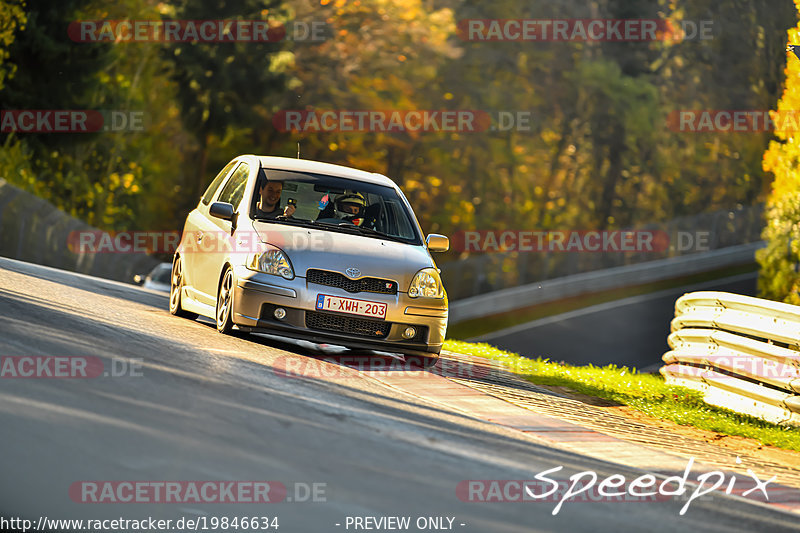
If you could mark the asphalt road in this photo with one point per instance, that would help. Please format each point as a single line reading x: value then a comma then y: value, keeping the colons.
x: 201, y: 406
x: 631, y: 332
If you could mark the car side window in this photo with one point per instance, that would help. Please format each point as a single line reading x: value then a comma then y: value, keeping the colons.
x: 209, y: 194
x: 233, y: 191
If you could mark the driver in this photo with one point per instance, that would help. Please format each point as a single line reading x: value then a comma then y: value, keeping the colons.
x: 350, y: 207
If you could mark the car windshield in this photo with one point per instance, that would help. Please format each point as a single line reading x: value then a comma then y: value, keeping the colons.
x: 338, y: 204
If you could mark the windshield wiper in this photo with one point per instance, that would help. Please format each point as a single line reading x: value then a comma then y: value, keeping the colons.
x: 363, y: 230
x: 286, y: 220
x: 368, y: 231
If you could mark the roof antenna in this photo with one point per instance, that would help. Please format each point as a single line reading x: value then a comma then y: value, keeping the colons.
x: 298, y: 149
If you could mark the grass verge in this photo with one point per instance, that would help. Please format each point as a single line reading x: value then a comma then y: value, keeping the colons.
x: 648, y: 393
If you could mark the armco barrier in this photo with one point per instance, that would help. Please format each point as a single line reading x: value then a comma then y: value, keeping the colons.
x: 508, y: 300
x: 33, y: 230
x: 742, y: 353
x: 481, y: 273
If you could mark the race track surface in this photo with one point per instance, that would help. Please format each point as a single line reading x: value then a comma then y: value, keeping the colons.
x: 191, y: 404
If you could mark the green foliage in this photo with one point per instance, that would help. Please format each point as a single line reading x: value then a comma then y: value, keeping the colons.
x: 15, y: 164
x: 219, y: 85
x: 12, y: 19
x: 598, y: 153
x: 99, y: 177
x: 779, y: 278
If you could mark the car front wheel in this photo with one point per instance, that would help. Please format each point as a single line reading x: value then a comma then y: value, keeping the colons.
x: 225, y: 303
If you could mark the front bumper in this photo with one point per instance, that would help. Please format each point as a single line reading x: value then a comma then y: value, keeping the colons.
x: 256, y: 295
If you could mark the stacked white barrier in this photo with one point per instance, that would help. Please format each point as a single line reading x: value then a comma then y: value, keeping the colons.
x: 742, y: 353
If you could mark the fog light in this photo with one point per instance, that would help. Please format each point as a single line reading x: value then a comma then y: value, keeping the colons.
x: 409, y: 333
x: 279, y: 313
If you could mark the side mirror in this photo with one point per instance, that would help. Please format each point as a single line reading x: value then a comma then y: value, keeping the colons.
x: 221, y: 210
x: 437, y: 243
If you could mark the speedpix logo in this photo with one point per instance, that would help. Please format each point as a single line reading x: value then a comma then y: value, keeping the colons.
x: 587, y: 486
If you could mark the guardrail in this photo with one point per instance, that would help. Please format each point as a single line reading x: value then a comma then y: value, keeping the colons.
x: 482, y: 273
x: 508, y: 300
x: 34, y: 230
x: 742, y: 353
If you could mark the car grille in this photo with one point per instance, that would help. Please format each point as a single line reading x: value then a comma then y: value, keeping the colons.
x: 345, y: 324
x: 335, y: 279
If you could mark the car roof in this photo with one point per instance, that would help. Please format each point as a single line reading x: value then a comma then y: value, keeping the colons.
x: 318, y: 167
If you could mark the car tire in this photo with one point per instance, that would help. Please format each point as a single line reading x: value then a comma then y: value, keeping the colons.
x: 224, y: 309
x: 422, y: 361
x: 176, y: 289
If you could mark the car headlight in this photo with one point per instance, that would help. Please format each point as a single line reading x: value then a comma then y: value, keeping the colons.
x: 426, y: 283
x: 273, y: 261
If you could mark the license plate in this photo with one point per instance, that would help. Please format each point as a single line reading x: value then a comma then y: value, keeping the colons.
x: 351, y: 306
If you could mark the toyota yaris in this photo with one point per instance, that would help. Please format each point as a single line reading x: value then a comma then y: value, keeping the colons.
x: 312, y: 251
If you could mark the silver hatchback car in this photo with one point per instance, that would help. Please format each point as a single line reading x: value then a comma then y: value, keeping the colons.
x: 312, y: 251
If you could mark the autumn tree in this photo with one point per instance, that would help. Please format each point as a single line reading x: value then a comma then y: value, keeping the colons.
x: 112, y: 179
x: 779, y: 277
x: 219, y: 83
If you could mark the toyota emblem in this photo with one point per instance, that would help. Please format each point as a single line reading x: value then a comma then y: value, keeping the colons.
x: 353, y: 272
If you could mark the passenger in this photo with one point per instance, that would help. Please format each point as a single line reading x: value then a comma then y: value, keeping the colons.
x: 269, y: 205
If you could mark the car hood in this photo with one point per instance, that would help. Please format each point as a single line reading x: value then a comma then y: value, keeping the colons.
x: 335, y: 251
